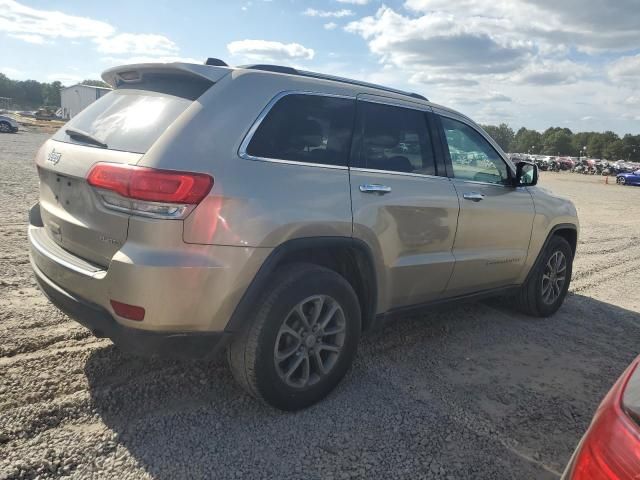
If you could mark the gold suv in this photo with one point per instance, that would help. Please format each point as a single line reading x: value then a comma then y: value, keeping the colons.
x: 276, y: 214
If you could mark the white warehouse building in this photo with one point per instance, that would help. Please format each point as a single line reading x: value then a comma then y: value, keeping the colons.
x: 76, y: 98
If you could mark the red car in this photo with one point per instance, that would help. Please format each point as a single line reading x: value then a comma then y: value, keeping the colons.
x: 611, y: 447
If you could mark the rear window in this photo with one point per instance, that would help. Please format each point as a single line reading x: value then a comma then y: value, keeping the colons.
x: 134, y: 116
x: 306, y: 128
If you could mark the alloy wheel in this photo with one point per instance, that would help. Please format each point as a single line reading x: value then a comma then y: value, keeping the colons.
x: 554, y: 277
x: 310, y: 341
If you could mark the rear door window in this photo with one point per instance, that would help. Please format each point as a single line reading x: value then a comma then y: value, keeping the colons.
x: 134, y: 116
x: 306, y: 128
x: 395, y: 139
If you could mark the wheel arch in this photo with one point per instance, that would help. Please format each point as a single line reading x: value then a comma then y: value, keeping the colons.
x: 349, y: 257
x: 568, y: 231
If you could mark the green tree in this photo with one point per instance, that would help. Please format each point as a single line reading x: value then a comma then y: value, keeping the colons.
x: 51, y: 93
x: 527, y: 141
x: 596, y: 146
x: 502, y: 134
x: 557, y: 142
x: 631, y: 147
x: 615, y: 150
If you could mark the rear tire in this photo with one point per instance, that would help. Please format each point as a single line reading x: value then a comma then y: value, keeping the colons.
x: 263, y: 356
x: 546, y: 287
x: 5, y: 127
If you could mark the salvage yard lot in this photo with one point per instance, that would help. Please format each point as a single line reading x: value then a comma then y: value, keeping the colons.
x: 476, y: 391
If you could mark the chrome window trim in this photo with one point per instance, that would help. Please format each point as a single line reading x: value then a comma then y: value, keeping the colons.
x: 404, y: 174
x: 242, y: 150
x: 476, y: 182
x: 393, y: 102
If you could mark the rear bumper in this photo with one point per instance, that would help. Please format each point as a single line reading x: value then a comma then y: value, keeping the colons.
x: 189, y: 292
x: 132, y: 340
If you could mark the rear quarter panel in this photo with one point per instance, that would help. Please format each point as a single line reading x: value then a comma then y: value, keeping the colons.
x: 252, y: 203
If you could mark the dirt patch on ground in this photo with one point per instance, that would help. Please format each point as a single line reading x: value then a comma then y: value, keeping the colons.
x: 477, y: 391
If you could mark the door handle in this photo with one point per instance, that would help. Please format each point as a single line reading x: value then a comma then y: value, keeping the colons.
x: 375, y: 188
x: 473, y: 196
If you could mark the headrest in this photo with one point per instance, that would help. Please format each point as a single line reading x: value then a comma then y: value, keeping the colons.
x: 381, y: 136
x: 306, y: 133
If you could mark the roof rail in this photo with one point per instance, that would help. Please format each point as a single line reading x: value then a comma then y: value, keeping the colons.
x: 322, y: 76
x: 271, y: 68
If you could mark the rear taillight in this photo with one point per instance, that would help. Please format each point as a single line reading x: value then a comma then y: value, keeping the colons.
x: 147, y: 191
x: 611, y: 447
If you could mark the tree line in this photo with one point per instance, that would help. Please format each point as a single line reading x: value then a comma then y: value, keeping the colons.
x: 31, y: 94
x: 559, y: 141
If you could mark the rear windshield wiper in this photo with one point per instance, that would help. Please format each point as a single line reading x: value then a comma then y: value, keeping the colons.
x: 85, y: 137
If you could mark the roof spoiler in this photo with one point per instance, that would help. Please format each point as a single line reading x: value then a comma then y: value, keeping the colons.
x: 123, y: 74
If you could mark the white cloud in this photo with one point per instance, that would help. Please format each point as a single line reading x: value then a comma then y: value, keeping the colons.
x: 115, y: 61
x: 354, y: 2
x: 16, y: 18
x: 312, y: 12
x: 440, y: 41
x: 512, y: 60
x: 553, y: 72
x: 625, y: 69
x: 43, y: 26
x: 66, y: 78
x: 264, y: 50
x: 142, y: 44
x: 443, y: 81
x: 482, y: 99
x: 330, y: 26
x: 633, y: 100
x: 590, y: 26
x: 29, y: 38
x: 13, y: 73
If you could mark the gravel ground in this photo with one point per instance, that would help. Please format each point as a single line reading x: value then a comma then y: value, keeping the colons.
x: 476, y: 391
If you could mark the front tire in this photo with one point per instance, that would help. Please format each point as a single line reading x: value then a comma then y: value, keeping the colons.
x: 621, y: 180
x: 302, y: 340
x: 5, y: 127
x: 546, y: 288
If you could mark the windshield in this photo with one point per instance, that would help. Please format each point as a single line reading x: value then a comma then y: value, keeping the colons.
x: 134, y: 116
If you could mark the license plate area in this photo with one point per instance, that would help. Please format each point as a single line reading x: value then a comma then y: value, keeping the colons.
x: 66, y: 192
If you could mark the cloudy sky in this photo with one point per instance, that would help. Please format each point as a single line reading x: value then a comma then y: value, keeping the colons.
x: 573, y: 63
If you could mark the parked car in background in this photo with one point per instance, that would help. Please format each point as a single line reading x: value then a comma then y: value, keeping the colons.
x: 565, y: 163
x: 610, y: 450
x: 277, y: 214
x: 631, y: 178
x: 8, y: 124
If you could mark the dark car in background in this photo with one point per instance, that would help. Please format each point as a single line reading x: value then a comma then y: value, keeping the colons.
x: 8, y: 124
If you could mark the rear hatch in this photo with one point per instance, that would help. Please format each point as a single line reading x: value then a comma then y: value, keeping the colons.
x: 118, y: 128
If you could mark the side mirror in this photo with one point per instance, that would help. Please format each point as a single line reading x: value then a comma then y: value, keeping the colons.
x: 526, y: 174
